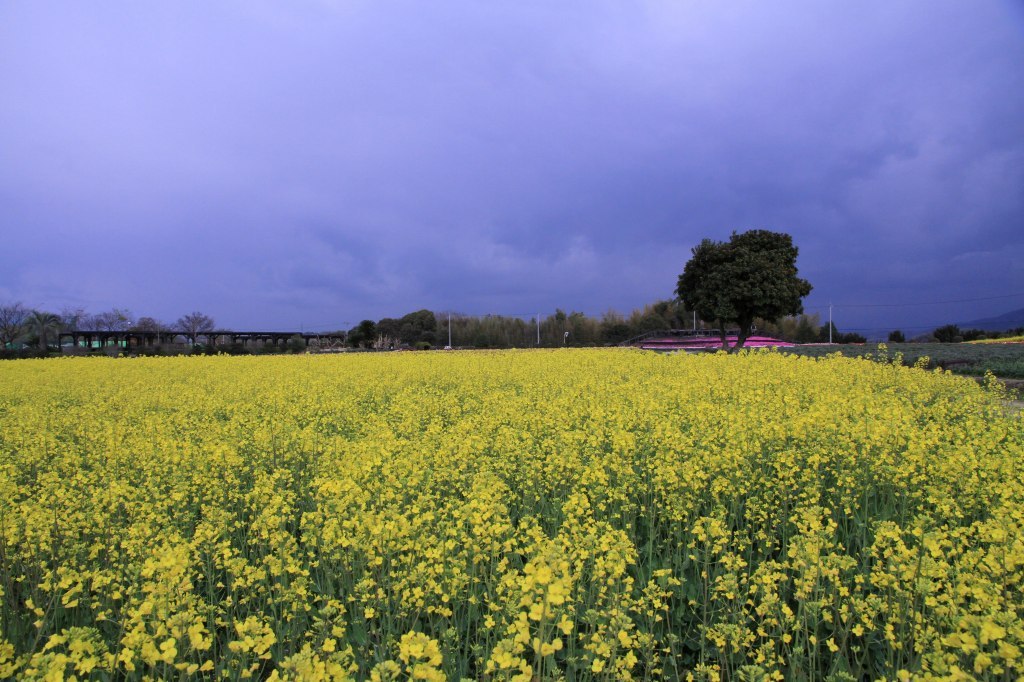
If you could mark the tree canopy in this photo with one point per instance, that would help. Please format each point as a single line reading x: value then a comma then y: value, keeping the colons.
x: 363, y: 335
x: 44, y: 325
x: 753, y: 275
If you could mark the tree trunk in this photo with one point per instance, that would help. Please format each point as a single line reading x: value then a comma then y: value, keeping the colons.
x: 722, y: 333
x: 743, y: 333
x: 741, y: 338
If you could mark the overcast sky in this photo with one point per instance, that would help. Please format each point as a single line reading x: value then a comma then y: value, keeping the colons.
x: 279, y: 165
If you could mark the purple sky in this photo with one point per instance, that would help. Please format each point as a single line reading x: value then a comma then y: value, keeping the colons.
x: 315, y: 163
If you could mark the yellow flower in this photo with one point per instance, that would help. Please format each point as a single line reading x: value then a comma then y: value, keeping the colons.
x: 490, y: 499
x: 991, y: 632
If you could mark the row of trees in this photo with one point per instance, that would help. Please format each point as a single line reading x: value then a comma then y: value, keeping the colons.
x: 952, y: 333
x: 423, y: 329
x: 427, y: 329
x: 20, y: 325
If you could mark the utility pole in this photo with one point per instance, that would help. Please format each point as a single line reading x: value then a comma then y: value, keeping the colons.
x: 449, y: 330
x: 538, y: 329
x: 830, y: 323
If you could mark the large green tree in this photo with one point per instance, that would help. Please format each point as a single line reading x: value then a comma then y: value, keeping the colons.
x: 752, y: 275
x: 418, y: 327
x: 363, y: 335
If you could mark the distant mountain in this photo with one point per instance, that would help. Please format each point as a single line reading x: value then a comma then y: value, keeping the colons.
x: 1000, y: 323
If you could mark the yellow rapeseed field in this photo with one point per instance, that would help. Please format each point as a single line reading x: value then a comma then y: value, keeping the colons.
x: 540, y: 515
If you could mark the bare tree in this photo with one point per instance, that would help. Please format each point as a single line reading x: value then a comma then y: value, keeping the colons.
x: 148, y: 324
x: 114, y: 320
x: 12, y: 323
x: 74, y: 319
x: 193, y: 324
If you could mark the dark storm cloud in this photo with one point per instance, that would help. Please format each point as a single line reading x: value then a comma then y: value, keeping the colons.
x: 319, y: 163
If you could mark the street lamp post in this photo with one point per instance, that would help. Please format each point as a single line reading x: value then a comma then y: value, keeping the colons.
x: 830, y: 323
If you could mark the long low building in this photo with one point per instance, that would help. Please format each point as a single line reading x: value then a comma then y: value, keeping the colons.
x: 147, y: 339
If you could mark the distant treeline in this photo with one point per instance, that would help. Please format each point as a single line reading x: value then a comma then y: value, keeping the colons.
x: 26, y: 332
x: 427, y: 329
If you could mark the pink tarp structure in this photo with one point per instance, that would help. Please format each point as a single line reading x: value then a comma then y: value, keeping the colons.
x: 695, y: 343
